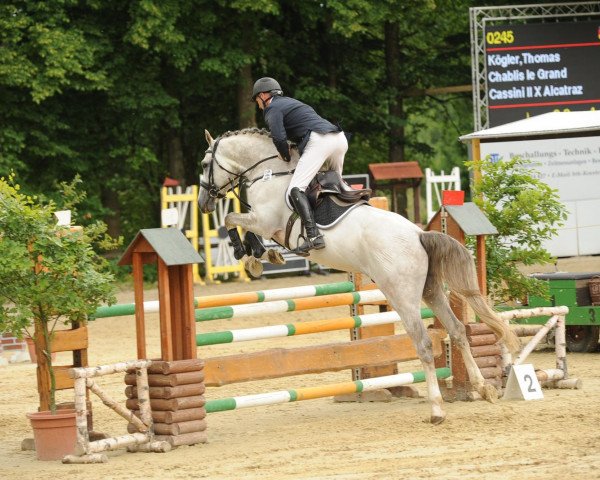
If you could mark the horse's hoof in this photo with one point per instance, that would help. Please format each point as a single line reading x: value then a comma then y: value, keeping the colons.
x: 254, y: 267
x: 275, y: 257
x: 488, y: 392
x: 436, y: 420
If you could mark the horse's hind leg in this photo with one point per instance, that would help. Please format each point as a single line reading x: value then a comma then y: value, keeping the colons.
x: 413, y: 324
x: 435, y: 298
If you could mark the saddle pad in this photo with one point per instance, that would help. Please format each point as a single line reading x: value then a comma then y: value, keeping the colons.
x: 331, y: 210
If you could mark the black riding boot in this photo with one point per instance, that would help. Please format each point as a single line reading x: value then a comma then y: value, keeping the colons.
x: 314, y: 239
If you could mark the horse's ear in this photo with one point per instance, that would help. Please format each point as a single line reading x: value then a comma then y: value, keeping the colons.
x: 208, y: 137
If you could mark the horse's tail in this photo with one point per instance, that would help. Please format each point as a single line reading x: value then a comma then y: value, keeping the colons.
x: 452, y: 262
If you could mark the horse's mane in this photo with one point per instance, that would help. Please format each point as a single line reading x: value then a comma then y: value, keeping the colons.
x: 252, y: 131
x: 247, y: 131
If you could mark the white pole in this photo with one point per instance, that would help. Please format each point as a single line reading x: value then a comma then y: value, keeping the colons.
x: 535, y: 340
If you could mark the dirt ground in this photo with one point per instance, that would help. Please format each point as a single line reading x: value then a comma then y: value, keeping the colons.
x: 553, y: 438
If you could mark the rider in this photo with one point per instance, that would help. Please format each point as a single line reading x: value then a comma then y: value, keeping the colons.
x: 318, y: 140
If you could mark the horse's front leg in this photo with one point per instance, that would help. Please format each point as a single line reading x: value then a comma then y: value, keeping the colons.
x: 251, y: 259
x: 255, y: 247
x: 239, y: 251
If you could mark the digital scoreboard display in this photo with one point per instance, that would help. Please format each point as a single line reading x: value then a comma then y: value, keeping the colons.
x: 539, y: 68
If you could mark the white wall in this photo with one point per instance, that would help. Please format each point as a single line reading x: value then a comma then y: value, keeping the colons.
x: 572, y: 166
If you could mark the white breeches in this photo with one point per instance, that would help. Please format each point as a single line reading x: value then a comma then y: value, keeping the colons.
x: 319, y: 149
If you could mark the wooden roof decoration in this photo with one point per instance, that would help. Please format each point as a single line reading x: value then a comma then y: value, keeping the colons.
x: 169, y: 244
x: 395, y: 171
x: 470, y: 219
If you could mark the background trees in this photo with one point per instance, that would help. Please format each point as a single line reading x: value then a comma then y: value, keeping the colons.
x: 121, y: 91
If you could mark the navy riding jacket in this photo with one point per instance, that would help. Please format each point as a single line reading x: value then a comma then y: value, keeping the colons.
x: 291, y: 119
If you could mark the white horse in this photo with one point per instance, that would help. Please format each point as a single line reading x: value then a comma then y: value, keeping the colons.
x: 406, y: 263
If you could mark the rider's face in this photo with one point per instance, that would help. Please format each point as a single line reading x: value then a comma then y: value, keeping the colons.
x: 261, y: 100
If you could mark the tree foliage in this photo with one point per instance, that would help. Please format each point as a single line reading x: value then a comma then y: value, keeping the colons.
x: 526, y: 212
x: 48, y: 275
x: 120, y: 92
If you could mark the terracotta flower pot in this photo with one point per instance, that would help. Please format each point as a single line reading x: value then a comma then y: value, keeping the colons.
x: 54, y: 435
x: 31, y: 350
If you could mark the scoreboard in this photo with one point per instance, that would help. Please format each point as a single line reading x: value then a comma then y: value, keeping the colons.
x: 541, y: 67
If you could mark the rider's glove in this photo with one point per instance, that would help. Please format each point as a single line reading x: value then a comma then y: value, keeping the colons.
x: 287, y: 157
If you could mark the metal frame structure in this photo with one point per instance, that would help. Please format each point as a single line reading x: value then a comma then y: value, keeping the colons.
x: 480, y: 17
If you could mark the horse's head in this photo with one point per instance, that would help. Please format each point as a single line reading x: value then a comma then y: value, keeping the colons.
x: 219, y: 175
x: 229, y: 160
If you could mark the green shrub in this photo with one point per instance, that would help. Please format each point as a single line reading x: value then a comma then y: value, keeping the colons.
x: 526, y: 212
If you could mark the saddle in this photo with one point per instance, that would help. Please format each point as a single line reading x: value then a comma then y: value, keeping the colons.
x: 331, y: 183
x: 331, y: 199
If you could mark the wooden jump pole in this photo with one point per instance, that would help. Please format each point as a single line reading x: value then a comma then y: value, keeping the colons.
x: 281, y: 362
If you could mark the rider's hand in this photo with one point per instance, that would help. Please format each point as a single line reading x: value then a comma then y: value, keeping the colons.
x: 286, y: 158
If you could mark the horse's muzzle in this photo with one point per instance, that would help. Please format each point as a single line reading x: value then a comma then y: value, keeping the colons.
x: 206, y: 203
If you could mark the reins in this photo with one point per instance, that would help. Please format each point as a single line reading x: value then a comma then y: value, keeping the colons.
x: 237, y: 178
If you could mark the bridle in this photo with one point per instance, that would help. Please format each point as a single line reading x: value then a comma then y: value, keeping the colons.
x: 216, y: 192
x: 211, y: 187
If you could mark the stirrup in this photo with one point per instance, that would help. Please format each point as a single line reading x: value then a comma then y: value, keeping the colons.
x: 314, y: 243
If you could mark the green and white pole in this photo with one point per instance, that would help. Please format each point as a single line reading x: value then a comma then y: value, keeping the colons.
x: 286, y: 396
x: 282, y: 306
x: 301, y: 328
x: 210, y: 301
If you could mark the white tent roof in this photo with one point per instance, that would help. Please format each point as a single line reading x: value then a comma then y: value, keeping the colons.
x: 546, y: 124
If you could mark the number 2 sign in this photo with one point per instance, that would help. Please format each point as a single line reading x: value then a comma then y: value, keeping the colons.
x: 522, y: 384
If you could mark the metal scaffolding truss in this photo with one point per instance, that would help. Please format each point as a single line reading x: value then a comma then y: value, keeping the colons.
x: 480, y: 17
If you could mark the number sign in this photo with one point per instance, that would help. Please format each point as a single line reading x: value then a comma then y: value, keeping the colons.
x: 522, y: 384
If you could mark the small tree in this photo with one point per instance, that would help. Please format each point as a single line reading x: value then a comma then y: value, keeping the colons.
x: 48, y: 274
x: 526, y: 212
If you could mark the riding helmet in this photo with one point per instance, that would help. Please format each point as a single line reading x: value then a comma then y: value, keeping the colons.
x: 266, y: 84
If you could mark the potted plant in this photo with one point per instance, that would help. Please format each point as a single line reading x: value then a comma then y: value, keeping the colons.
x: 49, y: 276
